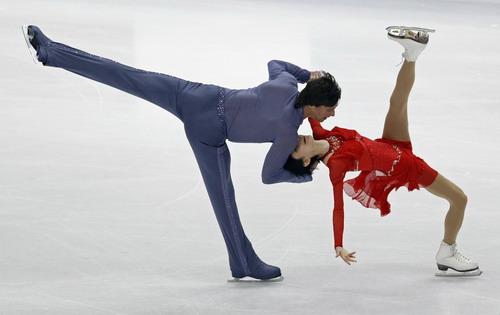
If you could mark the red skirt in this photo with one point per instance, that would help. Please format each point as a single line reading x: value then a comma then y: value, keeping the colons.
x: 395, y: 166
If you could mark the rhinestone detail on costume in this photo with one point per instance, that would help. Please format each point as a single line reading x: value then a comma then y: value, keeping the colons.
x: 396, y: 161
x: 334, y: 143
x: 220, y: 106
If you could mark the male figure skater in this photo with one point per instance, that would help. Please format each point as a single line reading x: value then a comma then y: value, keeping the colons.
x: 270, y: 112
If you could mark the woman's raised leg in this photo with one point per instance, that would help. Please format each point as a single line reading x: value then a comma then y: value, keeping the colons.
x: 396, y: 121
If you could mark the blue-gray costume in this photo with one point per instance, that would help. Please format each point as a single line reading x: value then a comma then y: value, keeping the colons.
x: 211, y: 115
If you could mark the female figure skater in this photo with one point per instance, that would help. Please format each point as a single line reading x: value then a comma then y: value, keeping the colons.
x: 270, y: 112
x: 385, y: 164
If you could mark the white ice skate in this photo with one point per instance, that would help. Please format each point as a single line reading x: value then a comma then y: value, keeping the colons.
x: 448, y: 257
x: 413, y: 39
x: 28, y: 36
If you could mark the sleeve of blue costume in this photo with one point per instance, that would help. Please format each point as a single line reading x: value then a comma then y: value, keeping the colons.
x: 283, y: 146
x: 273, y: 171
x: 282, y: 70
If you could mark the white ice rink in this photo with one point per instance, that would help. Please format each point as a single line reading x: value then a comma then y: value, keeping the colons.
x: 102, y: 208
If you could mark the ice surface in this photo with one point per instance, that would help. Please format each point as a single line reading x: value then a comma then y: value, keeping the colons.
x: 102, y: 208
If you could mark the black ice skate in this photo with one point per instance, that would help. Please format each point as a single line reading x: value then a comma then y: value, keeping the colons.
x: 261, y: 272
x: 29, y: 35
x: 37, y: 43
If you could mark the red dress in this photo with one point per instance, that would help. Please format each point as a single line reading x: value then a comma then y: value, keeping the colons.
x: 385, y: 165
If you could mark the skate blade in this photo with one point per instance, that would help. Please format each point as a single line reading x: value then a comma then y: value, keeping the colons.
x: 412, y: 28
x: 253, y: 280
x: 399, y: 35
x: 32, y: 50
x: 458, y: 274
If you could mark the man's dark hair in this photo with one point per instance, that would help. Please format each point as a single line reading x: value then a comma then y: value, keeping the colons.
x: 323, y: 91
x: 296, y: 166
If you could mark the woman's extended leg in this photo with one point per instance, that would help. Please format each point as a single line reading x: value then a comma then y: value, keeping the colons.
x: 396, y: 121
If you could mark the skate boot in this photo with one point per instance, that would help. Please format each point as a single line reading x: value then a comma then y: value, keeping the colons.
x: 260, y: 272
x: 413, y: 39
x: 36, y: 41
x: 448, y: 257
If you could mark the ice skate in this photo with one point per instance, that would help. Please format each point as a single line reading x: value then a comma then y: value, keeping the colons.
x: 260, y: 271
x: 448, y: 257
x: 253, y: 280
x: 413, y: 39
x: 399, y: 31
x: 36, y: 41
x: 29, y: 35
x: 458, y: 274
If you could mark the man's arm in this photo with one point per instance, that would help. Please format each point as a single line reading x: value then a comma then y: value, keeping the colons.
x: 273, y: 171
x: 278, y: 68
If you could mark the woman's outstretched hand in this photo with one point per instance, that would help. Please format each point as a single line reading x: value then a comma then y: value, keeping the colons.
x: 345, y: 255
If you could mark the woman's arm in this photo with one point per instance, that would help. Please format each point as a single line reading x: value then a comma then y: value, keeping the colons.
x: 338, y: 214
x: 338, y: 167
x: 318, y: 131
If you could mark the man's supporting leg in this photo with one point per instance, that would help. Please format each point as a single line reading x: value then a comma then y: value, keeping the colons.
x: 214, y: 163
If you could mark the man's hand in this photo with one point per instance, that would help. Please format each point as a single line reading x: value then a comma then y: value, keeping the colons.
x: 345, y: 255
x: 315, y: 75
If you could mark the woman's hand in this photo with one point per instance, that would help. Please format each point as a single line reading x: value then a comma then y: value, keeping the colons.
x: 315, y: 75
x: 345, y: 255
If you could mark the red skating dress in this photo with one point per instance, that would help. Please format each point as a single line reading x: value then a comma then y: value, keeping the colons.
x: 385, y: 165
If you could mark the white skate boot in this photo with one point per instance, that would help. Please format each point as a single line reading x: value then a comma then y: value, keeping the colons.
x: 413, y: 39
x: 449, y: 258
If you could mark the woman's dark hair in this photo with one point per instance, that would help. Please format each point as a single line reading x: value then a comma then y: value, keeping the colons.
x: 323, y: 91
x: 296, y: 166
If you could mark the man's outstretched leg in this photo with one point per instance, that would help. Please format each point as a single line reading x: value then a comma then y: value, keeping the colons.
x: 157, y: 88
